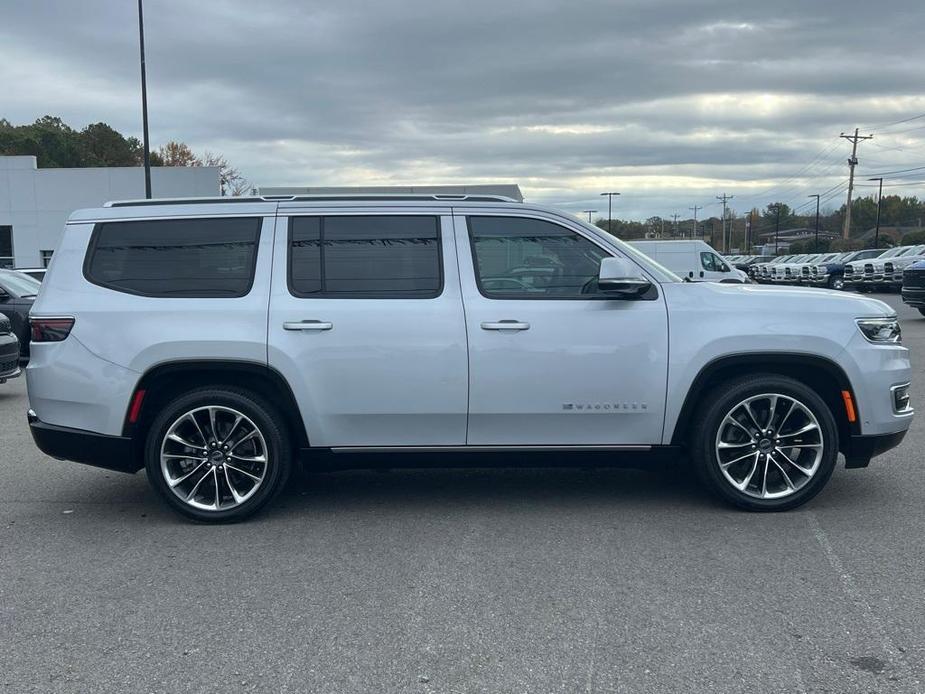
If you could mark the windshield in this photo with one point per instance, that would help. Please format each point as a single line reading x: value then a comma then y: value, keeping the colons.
x: 19, y: 284
x: 893, y: 252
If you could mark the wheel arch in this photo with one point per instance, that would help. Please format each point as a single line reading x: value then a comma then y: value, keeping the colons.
x: 821, y: 374
x: 163, y: 382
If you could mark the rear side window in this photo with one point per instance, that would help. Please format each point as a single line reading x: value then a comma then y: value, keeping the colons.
x: 175, y: 257
x: 369, y: 256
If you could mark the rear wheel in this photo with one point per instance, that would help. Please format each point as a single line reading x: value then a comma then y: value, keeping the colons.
x: 765, y: 442
x: 218, y: 454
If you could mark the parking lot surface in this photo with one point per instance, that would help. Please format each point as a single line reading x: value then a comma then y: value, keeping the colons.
x: 566, y: 580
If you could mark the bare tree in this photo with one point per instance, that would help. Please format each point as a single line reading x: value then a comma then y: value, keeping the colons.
x: 180, y: 154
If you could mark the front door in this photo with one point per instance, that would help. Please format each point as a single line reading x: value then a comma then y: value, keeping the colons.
x: 552, y: 361
x: 366, y: 324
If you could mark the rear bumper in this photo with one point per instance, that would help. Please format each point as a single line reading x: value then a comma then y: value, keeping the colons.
x: 861, y: 449
x: 87, y: 447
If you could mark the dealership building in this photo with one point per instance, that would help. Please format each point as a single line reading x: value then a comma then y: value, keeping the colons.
x: 35, y: 203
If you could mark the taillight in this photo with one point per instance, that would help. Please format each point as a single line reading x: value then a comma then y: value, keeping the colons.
x: 50, y: 329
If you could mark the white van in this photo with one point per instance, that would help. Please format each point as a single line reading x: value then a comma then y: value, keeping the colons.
x: 696, y: 260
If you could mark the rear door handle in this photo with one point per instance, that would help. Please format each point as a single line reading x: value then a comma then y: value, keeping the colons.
x: 308, y: 325
x: 506, y: 325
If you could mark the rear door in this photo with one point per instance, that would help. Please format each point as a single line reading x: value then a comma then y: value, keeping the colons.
x: 551, y: 360
x: 366, y: 324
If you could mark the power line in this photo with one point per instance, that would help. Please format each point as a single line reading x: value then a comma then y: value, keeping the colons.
x: 896, y: 122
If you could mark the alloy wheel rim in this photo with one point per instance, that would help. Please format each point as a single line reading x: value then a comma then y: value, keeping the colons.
x: 769, y: 446
x: 214, y: 458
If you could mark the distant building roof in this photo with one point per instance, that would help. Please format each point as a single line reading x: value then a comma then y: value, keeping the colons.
x: 511, y: 190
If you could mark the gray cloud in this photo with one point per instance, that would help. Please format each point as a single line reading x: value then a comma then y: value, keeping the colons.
x: 668, y: 101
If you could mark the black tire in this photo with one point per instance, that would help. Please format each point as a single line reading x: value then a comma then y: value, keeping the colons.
x: 835, y: 282
x: 922, y: 311
x: 706, y: 427
x: 262, y: 415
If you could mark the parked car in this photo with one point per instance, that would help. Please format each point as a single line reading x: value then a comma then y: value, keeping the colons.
x: 893, y: 268
x: 761, y: 272
x: 17, y: 292
x: 214, y: 343
x: 830, y: 272
x: 878, y: 273
x: 36, y: 273
x: 746, y: 262
x: 803, y: 271
x: 9, y: 351
x: 914, y: 286
x: 694, y: 259
x: 782, y: 273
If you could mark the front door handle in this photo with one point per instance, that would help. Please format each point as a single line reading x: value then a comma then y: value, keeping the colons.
x: 506, y: 325
x: 308, y: 325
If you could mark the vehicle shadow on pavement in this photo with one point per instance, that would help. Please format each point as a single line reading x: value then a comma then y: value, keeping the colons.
x: 423, y: 489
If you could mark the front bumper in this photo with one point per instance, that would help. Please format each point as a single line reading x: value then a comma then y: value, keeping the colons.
x: 914, y: 297
x: 861, y: 449
x: 9, y: 357
x: 87, y: 447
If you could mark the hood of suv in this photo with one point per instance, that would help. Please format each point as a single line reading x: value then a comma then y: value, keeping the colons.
x: 793, y: 303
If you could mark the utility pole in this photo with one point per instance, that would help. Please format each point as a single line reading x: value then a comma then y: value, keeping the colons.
x: 675, y: 218
x: 852, y: 162
x: 695, y: 208
x: 816, y: 241
x: 589, y: 213
x: 724, y: 198
x: 609, y: 211
x: 776, y: 229
x: 144, y: 103
x: 879, y: 198
x: 748, y: 232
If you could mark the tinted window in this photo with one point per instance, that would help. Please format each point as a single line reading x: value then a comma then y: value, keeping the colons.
x: 176, y: 257
x: 365, y: 256
x: 517, y: 257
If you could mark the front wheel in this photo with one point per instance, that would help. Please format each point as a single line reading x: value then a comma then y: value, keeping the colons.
x: 836, y: 282
x: 218, y: 454
x: 922, y: 311
x: 765, y: 443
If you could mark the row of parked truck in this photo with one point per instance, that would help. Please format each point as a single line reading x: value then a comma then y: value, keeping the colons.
x: 902, y: 267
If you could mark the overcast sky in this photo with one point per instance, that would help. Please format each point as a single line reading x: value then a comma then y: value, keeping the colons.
x: 669, y: 102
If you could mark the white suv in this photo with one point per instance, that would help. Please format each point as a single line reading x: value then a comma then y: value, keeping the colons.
x: 217, y: 342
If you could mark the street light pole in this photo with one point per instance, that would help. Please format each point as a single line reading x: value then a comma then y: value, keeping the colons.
x: 816, y: 241
x: 879, y: 198
x: 609, y: 211
x: 589, y: 213
x: 144, y: 102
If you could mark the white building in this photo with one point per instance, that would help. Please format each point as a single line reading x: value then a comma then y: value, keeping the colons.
x: 34, y: 202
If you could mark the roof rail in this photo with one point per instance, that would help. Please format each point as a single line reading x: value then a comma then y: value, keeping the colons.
x: 347, y: 197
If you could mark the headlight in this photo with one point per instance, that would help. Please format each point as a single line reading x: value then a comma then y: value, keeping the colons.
x: 881, y: 330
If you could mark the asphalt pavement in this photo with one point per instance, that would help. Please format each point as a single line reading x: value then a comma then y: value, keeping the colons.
x: 574, y: 580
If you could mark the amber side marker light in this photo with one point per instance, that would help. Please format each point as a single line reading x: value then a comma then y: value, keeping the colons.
x: 849, y: 406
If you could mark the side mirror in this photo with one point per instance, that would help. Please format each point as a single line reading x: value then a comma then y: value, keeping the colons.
x: 620, y: 277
